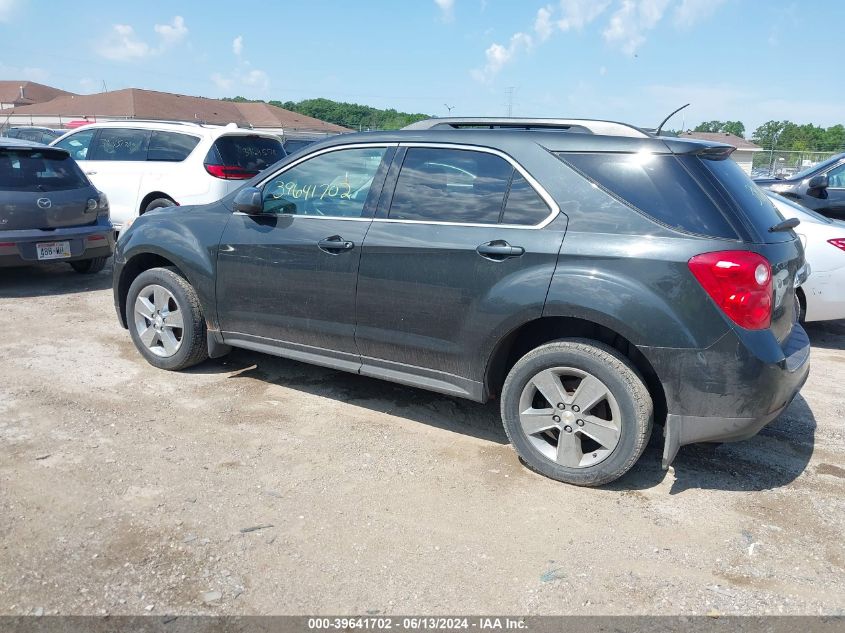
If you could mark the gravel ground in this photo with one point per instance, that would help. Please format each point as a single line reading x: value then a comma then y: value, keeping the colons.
x: 255, y: 485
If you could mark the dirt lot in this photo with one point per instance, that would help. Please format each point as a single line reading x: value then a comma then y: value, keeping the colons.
x: 125, y: 489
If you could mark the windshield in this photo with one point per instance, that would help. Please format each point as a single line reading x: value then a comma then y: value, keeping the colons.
x: 39, y: 170
x: 814, y: 168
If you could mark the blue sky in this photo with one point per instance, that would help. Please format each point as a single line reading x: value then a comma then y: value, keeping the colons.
x: 631, y: 60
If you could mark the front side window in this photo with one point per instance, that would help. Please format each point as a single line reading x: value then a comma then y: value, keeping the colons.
x: 450, y: 185
x: 336, y: 184
x: 77, y: 144
x: 120, y: 144
x: 836, y: 177
x: 170, y: 146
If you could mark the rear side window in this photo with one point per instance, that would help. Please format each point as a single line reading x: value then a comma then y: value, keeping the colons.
x: 749, y: 199
x: 447, y: 185
x: 120, y: 144
x: 524, y: 205
x: 48, y: 170
x: 170, y: 146
x: 658, y: 186
x: 249, y: 153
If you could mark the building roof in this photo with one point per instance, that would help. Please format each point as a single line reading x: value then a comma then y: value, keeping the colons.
x: 10, y: 92
x: 151, y: 104
x: 723, y: 137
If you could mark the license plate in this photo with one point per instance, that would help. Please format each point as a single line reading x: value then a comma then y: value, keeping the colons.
x: 53, y: 250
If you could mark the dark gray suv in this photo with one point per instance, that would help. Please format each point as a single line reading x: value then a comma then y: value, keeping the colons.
x: 593, y: 277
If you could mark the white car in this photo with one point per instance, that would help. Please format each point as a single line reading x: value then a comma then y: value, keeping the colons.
x: 822, y: 296
x: 144, y: 165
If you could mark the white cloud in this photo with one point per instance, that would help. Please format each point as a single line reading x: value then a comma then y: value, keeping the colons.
x: 257, y: 78
x: 172, y: 34
x: 629, y: 24
x: 7, y: 9
x: 690, y: 12
x: 543, y: 23
x: 498, y: 55
x: 238, y: 45
x: 31, y: 73
x: 123, y: 44
x: 222, y: 83
x: 447, y: 9
x: 576, y: 14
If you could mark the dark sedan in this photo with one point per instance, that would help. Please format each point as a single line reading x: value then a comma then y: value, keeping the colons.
x: 820, y: 187
x: 49, y: 210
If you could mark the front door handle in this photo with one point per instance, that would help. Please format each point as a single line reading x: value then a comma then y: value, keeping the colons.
x: 499, y: 250
x: 90, y: 173
x: 335, y: 244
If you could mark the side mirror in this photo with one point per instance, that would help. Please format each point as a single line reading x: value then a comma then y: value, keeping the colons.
x: 248, y: 200
x: 818, y: 182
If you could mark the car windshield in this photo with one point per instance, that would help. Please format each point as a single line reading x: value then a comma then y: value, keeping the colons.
x: 39, y: 170
x: 814, y: 168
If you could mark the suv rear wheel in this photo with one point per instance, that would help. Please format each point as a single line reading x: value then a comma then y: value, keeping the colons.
x: 577, y: 411
x: 165, y: 320
x: 159, y: 203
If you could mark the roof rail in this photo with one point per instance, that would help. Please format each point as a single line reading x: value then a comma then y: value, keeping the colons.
x: 174, y: 122
x: 582, y: 126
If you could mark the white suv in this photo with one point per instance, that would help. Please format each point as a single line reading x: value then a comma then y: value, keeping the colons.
x: 143, y: 165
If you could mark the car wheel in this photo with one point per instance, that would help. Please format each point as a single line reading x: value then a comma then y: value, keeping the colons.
x: 89, y: 266
x: 165, y: 320
x: 577, y: 411
x: 158, y: 203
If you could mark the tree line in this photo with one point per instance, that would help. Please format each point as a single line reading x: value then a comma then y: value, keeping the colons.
x: 785, y: 135
x: 351, y: 115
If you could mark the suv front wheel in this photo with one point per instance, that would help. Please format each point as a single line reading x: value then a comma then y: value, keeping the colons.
x: 577, y: 411
x: 165, y: 319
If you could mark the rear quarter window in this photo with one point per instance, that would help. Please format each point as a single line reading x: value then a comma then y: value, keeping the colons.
x: 170, y: 146
x: 47, y: 170
x: 658, y: 186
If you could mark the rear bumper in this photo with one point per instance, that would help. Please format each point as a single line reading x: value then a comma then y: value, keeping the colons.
x: 731, y: 390
x: 18, y: 248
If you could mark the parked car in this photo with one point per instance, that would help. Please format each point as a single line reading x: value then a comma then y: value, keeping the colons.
x: 49, y: 210
x: 820, y: 187
x: 822, y: 296
x: 293, y: 145
x: 587, y: 274
x: 145, y: 165
x: 43, y: 135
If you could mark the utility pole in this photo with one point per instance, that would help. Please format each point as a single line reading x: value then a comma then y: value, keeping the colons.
x: 509, y: 100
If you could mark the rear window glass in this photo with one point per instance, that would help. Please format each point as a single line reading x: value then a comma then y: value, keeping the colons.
x: 448, y: 185
x: 170, y: 146
x: 748, y: 197
x: 22, y: 170
x: 292, y: 146
x: 251, y: 153
x: 658, y: 186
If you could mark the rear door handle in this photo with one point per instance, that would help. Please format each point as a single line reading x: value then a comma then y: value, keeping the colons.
x: 335, y: 245
x: 499, y: 250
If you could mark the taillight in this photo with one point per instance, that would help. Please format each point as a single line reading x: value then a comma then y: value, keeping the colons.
x: 740, y: 282
x: 838, y: 243
x: 229, y: 172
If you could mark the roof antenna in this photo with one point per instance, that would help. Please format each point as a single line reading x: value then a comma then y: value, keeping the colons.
x: 663, y: 122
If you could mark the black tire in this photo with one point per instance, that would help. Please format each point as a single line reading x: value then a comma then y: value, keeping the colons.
x: 89, y: 266
x: 617, y: 375
x: 158, y: 203
x: 802, y: 305
x: 193, y: 347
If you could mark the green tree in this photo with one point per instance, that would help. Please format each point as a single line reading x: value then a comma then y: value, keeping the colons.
x: 730, y: 127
